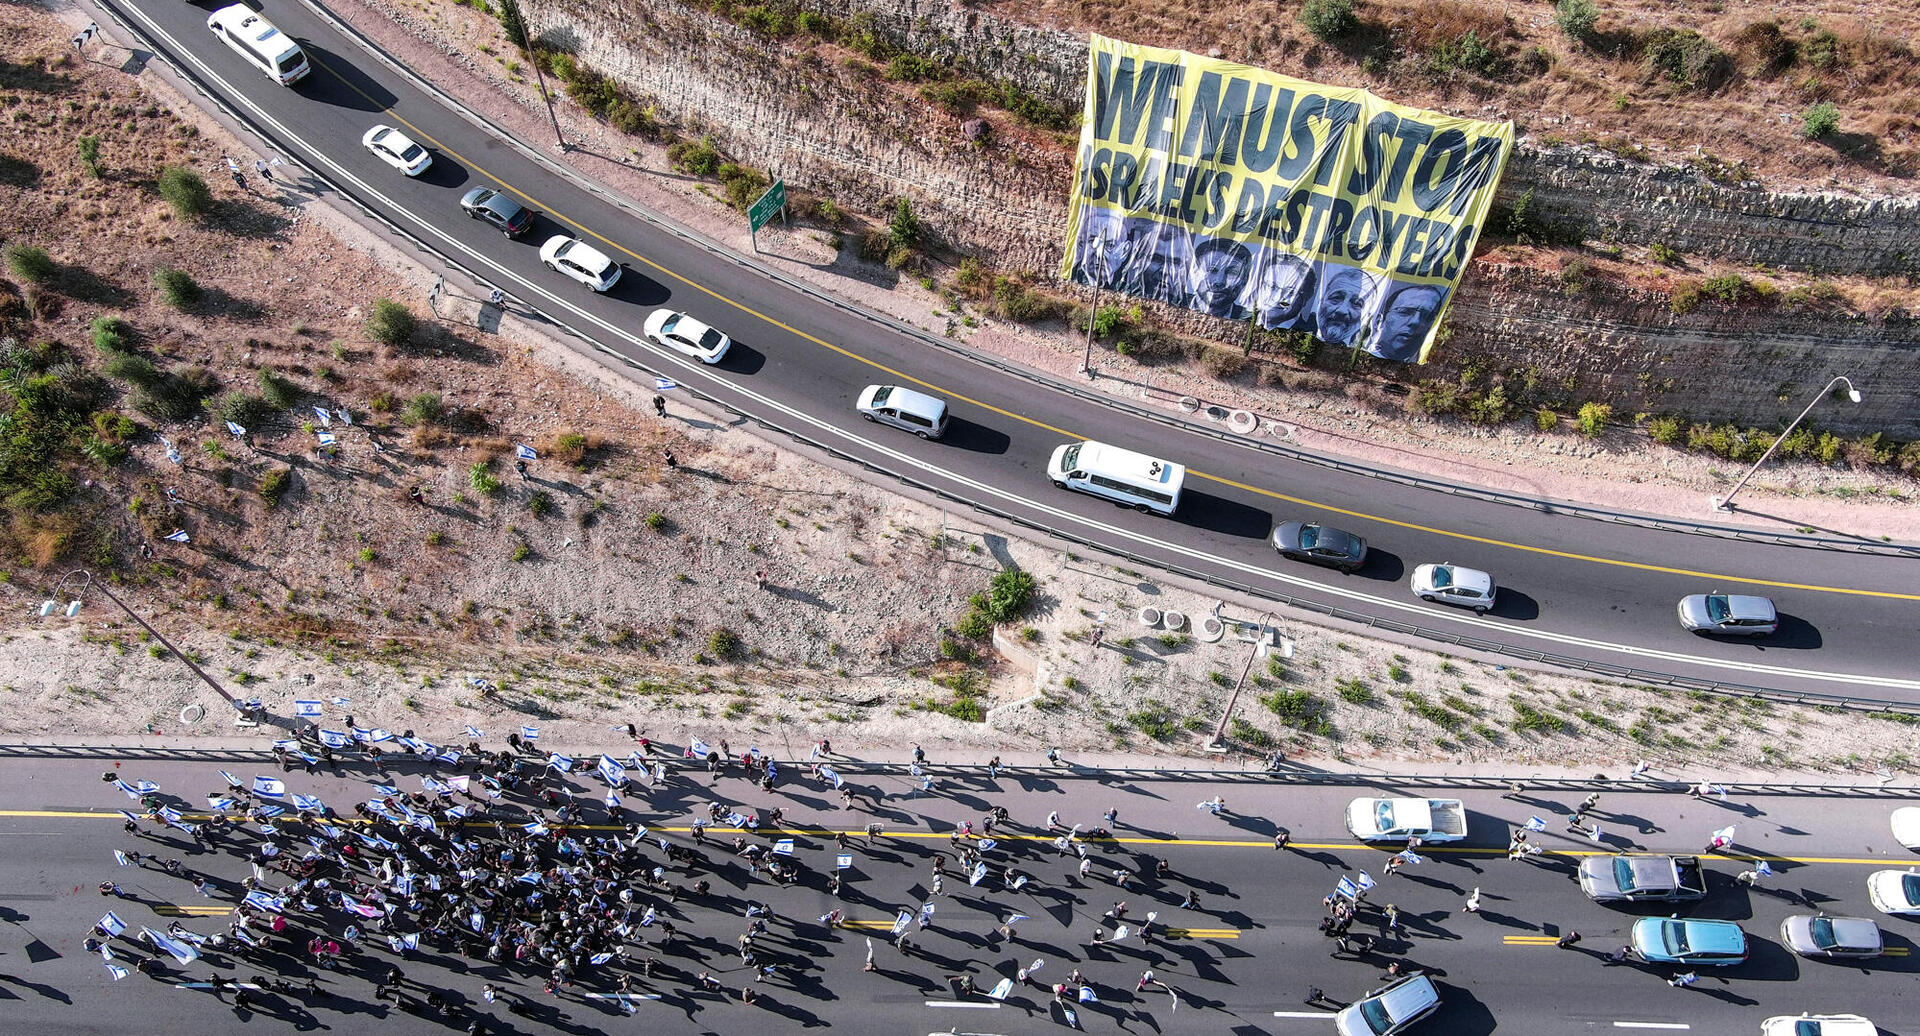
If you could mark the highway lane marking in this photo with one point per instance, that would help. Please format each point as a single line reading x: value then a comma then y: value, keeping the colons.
x: 692, y: 369
x: 209, y: 985
x: 190, y: 910
x: 620, y: 996
x: 962, y: 1003
x: 849, y: 354
x: 1651, y: 1025
x: 1327, y: 1015
x: 1530, y: 940
x: 1203, y: 933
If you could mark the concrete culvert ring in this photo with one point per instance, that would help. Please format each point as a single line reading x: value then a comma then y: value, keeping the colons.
x: 1211, y: 629
x: 1216, y: 413
x: 1242, y: 421
x: 193, y: 714
x: 1189, y: 404
x: 1174, y: 621
x: 1150, y: 617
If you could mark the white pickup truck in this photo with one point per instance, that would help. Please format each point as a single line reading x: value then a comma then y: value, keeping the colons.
x: 1396, y: 820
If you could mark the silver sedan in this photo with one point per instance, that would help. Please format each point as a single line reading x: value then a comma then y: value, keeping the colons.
x: 1817, y: 935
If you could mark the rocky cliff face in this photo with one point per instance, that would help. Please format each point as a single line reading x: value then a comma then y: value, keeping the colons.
x: 839, y: 128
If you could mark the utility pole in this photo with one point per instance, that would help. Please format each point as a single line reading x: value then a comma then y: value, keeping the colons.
x: 519, y: 20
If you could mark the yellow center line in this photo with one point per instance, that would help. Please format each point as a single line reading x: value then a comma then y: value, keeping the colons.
x: 1022, y: 418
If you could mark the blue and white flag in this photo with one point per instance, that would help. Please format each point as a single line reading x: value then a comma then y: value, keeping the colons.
x: 132, y: 792
x: 326, y: 419
x: 409, y: 941
x: 145, y: 787
x: 179, y: 951
x: 529, y: 878
x: 337, y: 700
x: 262, y: 901
x: 327, y: 438
x: 341, y: 413
x: 663, y: 384
x: 269, y: 787
x: 120, y: 857
x: 433, y: 785
x: 530, y: 733
x: 425, y: 822
x: 111, y: 924
x: 926, y: 914
x: 1536, y: 824
x: 525, y: 452
x: 221, y: 803
x: 612, y: 800
x: 698, y: 749
x: 1347, y: 889
x: 386, y: 789
x: 379, y: 734
x: 271, y: 810
x: 736, y: 820
x: 308, y: 803
x: 178, y: 536
x: 403, y: 884
x: 987, y: 844
x: 232, y: 781
x: 237, y: 431
x: 1365, y: 881
x: 1014, y: 919
x: 612, y: 772
x: 473, y: 733
x: 563, y: 763
x: 1411, y: 857
x: 1724, y: 834
x: 334, y: 738
x: 1762, y: 868
x: 1087, y: 995
x: 535, y: 828
x: 116, y: 971
x: 600, y: 958
x: 306, y: 708
x: 130, y: 816
x: 979, y: 874
x: 1593, y: 833
x: 783, y: 847
x: 829, y: 773
x: 901, y: 923
x: 173, y: 453
x: 171, y: 815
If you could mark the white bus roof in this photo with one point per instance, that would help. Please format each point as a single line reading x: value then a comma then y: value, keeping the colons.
x: 1114, y: 462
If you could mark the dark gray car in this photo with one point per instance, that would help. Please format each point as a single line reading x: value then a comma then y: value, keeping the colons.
x: 491, y: 206
x: 1319, y: 545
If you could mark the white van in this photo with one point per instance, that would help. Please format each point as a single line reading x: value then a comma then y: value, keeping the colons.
x: 1129, y: 479
x: 253, y: 37
x: 1391, y: 1009
x: 904, y: 408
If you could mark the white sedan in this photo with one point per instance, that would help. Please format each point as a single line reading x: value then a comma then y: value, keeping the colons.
x: 1894, y: 892
x: 1448, y: 583
x: 397, y: 150
x: 580, y: 261
x: 682, y: 333
x: 1818, y: 1025
x: 1906, y: 826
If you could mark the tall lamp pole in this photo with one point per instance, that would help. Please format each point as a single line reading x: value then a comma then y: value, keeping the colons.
x: 526, y: 47
x: 87, y: 582
x: 1219, y: 743
x: 1724, y: 504
x: 1093, y: 312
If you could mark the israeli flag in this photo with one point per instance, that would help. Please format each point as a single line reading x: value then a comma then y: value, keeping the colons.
x: 979, y: 873
x: 1593, y: 833
x: 337, y: 700
x: 829, y: 773
x: 535, y: 828
x: 900, y: 923
x: 783, y: 847
x: 1346, y: 889
x: 600, y: 958
x: 1536, y: 824
x: 843, y: 861
x: 179, y: 951
x: 132, y: 792
x: 926, y: 914
x: 178, y: 536
x: 308, y: 803
x: 262, y: 901
x: 403, y: 884
x: 378, y: 735
x: 460, y: 783
x: 269, y: 787
x: 334, y: 738
x: 173, y: 453
x: 736, y: 820
x: 563, y: 763
x: 327, y: 438
x: 237, y: 431
x: 424, y: 822
x: 429, y: 784
x: 1762, y: 868
x: 326, y: 419
x: 698, y: 749
x: 306, y: 708
x: 663, y: 384
x: 529, y: 878
x: 1086, y: 995
x: 220, y: 803
x: 1001, y: 989
x: 612, y: 771
x: 116, y: 971
x: 232, y: 781
x: 530, y: 733
x: 525, y: 452
x: 171, y: 815
x: 472, y: 733
x: 1411, y: 857
x: 987, y: 844
x: 409, y: 941
x: 1014, y: 919
x: 111, y: 924
x: 612, y: 800
x: 455, y: 813
x: 120, y: 857
x: 1366, y: 881
x: 1724, y: 833
x: 386, y: 789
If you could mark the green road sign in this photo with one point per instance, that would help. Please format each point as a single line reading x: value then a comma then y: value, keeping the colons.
x: 763, y: 211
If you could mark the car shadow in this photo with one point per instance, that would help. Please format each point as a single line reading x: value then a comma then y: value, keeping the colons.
x: 742, y: 359
x: 339, y: 82
x: 1218, y: 514
x: 1383, y: 565
x: 1795, y: 633
x: 975, y: 437
x: 444, y: 172
x: 637, y: 288
x: 1509, y: 603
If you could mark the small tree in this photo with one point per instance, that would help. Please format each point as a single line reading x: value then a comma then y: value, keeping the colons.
x: 904, y: 228
x: 30, y: 263
x: 1819, y: 120
x: 1576, y: 18
x: 1329, y: 19
x: 185, y: 191
x: 90, y: 156
x: 391, y: 323
x: 177, y: 288
x: 513, y: 25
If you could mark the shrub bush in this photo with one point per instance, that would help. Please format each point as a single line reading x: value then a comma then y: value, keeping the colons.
x: 1819, y: 121
x: 425, y: 408
x: 903, y: 227
x: 909, y: 68
x: 1728, y: 287
x: 391, y: 323
x: 1684, y: 297
x: 540, y: 503
x: 695, y: 157
x: 278, y: 390
x: 185, y: 191
x: 480, y: 476
x: 1662, y: 254
x: 133, y: 369
x: 1665, y: 430
x: 1687, y: 58
x: 109, y: 334
x: 1546, y: 418
x: 242, y: 408
x: 1576, y: 18
x: 177, y: 288
x: 1329, y: 19
x: 723, y: 643
x: 1593, y: 418
x: 273, y: 485
x: 30, y: 263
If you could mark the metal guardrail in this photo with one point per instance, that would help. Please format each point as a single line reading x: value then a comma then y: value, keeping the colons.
x: 1645, y: 676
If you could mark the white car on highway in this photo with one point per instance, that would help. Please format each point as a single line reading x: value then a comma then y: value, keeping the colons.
x: 1906, y: 826
x: 1818, y: 1025
x: 398, y: 150
x: 580, y: 261
x: 1448, y: 583
x: 682, y: 333
x: 1894, y: 892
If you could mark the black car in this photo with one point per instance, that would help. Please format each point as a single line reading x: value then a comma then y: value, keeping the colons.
x: 1319, y: 545
x: 496, y: 208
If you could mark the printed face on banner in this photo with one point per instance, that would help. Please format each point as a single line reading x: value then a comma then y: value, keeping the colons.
x: 1246, y: 194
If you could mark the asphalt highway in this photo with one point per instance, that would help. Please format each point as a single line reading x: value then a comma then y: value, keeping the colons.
x: 1241, y: 961
x: 1569, y: 586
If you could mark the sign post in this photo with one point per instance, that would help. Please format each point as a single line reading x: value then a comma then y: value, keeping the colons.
x: 761, y: 212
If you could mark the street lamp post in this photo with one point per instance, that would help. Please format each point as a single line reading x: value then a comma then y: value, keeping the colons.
x: 87, y: 582
x: 1219, y: 742
x: 1725, y: 504
x: 1093, y: 312
x: 526, y: 46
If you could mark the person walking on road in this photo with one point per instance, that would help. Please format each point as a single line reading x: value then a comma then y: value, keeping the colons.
x: 1473, y: 900
x: 1683, y: 980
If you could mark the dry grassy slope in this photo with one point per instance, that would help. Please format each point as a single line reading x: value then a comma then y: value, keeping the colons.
x: 1601, y: 91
